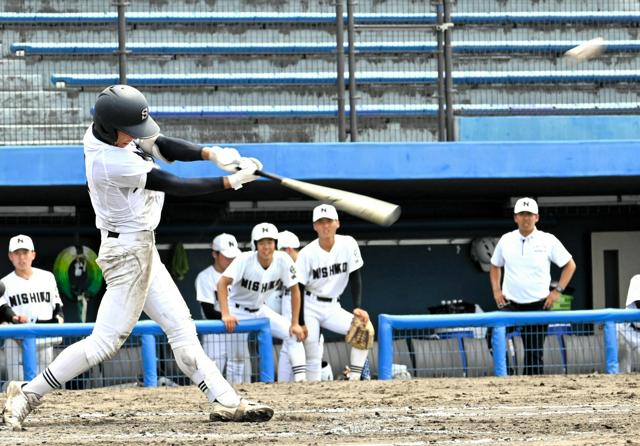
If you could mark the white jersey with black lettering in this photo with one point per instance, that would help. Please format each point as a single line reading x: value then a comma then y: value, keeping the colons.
x: 327, y: 273
x: 116, y: 178
x: 252, y: 284
x: 35, y: 297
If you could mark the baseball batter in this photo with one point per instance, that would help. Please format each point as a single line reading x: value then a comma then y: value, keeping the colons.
x: 229, y: 351
x: 326, y: 266
x: 253, y: 276
x: 127, y: 191
x: 31, y: 294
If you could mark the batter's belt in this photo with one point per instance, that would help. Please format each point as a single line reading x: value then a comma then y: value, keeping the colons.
x: 128, y: 236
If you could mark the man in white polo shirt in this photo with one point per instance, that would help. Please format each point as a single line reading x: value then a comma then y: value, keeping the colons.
x: 526, y: 255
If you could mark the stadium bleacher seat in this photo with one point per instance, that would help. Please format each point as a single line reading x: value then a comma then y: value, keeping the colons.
x: 365, y: 77
x: 563, y: 17
x: 382, y: 110
x: 472, y: 47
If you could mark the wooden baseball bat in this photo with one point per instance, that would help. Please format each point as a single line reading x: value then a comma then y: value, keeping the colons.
x: 362, y: 206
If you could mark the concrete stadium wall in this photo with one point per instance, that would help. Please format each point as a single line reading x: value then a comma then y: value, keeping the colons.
x: 548, y: 128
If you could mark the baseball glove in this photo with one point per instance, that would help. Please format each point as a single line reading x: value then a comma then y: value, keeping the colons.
x: 360, y: 335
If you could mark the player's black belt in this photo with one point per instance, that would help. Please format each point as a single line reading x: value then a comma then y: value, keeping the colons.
x: 112, y: 234
x: 250, y: 310
x: 321, y: 298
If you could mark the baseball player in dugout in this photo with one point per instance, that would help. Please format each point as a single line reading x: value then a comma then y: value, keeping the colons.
x: 127, y: 189
x: 229, y: 351
x: 326, y: 266
x: 249, y: 282
x: 30, y: 295
x: 526, y: 254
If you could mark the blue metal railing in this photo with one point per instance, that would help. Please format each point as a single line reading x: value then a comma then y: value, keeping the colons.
x: 499, y: 321
x: 147, y: 331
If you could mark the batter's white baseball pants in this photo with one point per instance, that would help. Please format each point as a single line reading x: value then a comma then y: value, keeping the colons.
x: 137, y: 281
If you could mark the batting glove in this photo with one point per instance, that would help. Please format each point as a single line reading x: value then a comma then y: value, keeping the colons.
x: 226, y: 158
x: 247, y: 167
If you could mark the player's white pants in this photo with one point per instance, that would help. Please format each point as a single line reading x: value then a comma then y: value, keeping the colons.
x: 285, y: 371
x: 332, y: 316
x: 13, y: 356
x: 136, y: 281
x: 279, y: 329
x: 231, y: 354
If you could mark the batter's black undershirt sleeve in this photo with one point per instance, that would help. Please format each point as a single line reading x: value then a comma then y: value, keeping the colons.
x: 355, y: 282
x: 210, y: 311
x: 163, y: 181
x: 6, y: 313
x: 176, y: 149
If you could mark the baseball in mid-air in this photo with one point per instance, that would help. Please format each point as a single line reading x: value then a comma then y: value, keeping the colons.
x: 587, y: 50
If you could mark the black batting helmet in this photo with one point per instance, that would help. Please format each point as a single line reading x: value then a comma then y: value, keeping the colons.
x: 124, y: 108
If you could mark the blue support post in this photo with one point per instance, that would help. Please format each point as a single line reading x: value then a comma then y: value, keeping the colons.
x: 499, y: 345
x: 149, y: 360
x: 610, y: 347
x: 385, y: 348
x: 265, y: 348
x: 29, y: 358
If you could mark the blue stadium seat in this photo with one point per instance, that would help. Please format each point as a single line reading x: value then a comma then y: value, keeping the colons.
x: 563, y: 17
x: 386, y: 110
x: 284, y: 111
x: 471, y: 47
x: 365, y: 77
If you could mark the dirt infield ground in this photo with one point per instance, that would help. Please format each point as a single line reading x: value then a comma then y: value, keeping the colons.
x: 550, y: 410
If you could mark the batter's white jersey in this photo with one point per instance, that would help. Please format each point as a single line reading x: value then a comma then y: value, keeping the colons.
x: 35, y: 297
x: 327, y: 273
x: 252, y: 284
x: 207, y: 287
x: 116, y: 178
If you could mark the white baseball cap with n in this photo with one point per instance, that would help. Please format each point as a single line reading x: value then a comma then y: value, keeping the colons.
x: 526, y: 204
x: 325, y: 211
x: 287, y: 239
x: 21, y: 242
x: 227, y: 245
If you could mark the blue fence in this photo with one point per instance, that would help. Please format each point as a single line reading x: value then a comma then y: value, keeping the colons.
x: 499, y: 321
x: 147, y: 331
